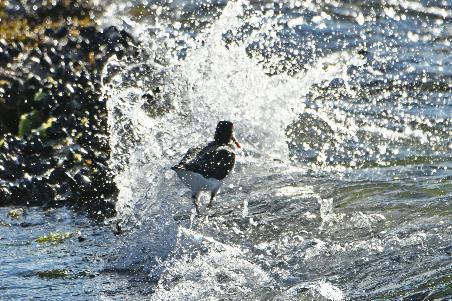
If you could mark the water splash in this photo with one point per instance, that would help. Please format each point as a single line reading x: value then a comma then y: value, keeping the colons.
x: 213, y: 83
x: 171, y: 97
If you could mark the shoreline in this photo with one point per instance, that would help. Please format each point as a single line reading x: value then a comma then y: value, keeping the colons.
x: 54, y: 147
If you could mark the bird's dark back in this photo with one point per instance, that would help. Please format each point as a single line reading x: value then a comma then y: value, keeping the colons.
x: 212, y: 161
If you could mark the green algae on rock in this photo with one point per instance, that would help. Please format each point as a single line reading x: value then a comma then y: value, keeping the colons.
x: 56, y: 237
x: 53, y: 274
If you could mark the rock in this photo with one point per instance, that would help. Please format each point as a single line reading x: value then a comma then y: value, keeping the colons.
x: 11, y: 170
x: 61, y: 32
x: 82, y: 180
x: 5, y: 196
x: 420, y: 296
x: 363, y: 51
x: 56, y: 131
x: 16, y: 213
x: 50, y: 98
x: 28, y: 121
x: 64, y: 193
x: 5, y: 57
x: 34, y: 145
x: 117, y: 41
x: 34, y: 165
x: 19, y: 194
x: 100, y: 208
x: 41, y: 192
x: 58, y: 175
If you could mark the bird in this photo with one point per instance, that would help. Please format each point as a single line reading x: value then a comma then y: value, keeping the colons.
x: 204, y: 168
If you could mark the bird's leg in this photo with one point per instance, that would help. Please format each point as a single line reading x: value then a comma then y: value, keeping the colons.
x: 196, y: 199
x: 212, y: 196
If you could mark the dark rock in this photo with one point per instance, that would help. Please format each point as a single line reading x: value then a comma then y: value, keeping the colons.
x: 363, y: 51
x: 35, y: 166
x: 72, y: 183
x: 35, y: 52
x: 5, y: 57
x: 49, y: 32
x: 46, y: 61
x: 51, y: 97
x: 68, y: 164
x: 111, y: 35
x: 58, y: 175
x: 41, y: 192
x: 117, y: 41
x: 337, y: 83
x: 99, y: 208
x: 5, y: 196
x: 64, y: 192
x: 420, y: 296
x: 82, y: 180
x: 108, y: 188
x: 87, y: 153
x: 61, y: 32
x: 56, y: 131
x: 12, y: 170
x: 33, y: 83
x: 34, y: 145
x: 19, y: 194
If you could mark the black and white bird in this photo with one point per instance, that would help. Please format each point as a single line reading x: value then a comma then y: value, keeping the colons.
x: 204, y: 168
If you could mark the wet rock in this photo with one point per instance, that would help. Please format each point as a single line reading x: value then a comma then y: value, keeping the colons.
x: 363, y: 51
x: 117, y: 41
x: 56, y: 131
x: 61, y: 32
x: 41, y: 192
x: 81, y: 180
x: 64, y: 193
x: 34, y: 165
x: 5, y: 57
x: 19, y: 194
x: 5, y: 196
x: 337, y: 83
x: 16, y: 213
x: 33, y: 83
x: 112, y: 37
x: 11, y: 170
x: 50, y: 98
x: 100, y: 208
x: 420, y: 296
x: 34, y: 145
x: 8, y: 51
x: 58, y: 175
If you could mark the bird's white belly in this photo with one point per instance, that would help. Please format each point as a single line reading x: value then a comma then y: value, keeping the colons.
x: 196, y: 182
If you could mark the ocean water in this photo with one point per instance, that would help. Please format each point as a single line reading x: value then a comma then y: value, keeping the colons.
x: 343, y: 188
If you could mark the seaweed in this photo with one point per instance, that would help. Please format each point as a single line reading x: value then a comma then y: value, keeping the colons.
x: 53, y: 274
x: 55, y: 238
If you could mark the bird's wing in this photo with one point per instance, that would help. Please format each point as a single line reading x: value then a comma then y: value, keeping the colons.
x: 214, y: 163
x: 189, y: 156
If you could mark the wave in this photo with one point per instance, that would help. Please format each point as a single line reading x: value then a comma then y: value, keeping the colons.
x: 170, y: 98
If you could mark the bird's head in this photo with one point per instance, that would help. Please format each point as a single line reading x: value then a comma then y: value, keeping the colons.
x: 224, y: 133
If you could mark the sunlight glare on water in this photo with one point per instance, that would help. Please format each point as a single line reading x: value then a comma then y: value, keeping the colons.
x: 342, y: 190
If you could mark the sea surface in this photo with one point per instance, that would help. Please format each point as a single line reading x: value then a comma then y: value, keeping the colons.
x: 343, y: 187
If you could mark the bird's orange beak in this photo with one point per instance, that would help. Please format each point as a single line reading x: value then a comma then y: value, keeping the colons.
x: 236, y: 142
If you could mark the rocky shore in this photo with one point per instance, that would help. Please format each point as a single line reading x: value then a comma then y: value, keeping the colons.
x: 54, y: 147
